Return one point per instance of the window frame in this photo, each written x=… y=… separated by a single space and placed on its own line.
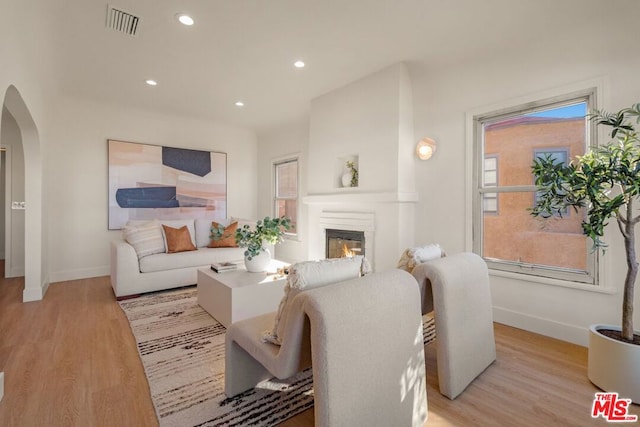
x=275 y=199
x=497 y=172
x=591 y=276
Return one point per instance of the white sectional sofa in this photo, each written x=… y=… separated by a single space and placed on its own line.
x=131 y=275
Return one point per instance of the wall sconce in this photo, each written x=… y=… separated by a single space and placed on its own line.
x=425 y=148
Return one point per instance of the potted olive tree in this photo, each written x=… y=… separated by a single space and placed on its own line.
x=268 y=231
x=605 y=182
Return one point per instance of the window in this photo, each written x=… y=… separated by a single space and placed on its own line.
x=504 y=232
x=286 y=192
x=490 y=200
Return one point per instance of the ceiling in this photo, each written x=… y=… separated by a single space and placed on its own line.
x=244 y=50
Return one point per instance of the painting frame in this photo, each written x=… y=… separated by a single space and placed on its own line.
x=148 y=181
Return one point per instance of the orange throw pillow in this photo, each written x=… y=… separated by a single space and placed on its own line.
x=178 y=239
x=228 y=237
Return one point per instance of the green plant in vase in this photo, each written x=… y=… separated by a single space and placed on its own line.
x=354 y=173
x=267 y=231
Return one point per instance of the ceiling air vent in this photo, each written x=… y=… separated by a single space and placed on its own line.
x=119 y=20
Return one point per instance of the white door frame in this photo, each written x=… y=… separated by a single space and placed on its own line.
x=7 y=212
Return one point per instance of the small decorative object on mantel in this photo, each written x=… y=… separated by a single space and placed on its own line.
x=267 y=231
x=350 y=178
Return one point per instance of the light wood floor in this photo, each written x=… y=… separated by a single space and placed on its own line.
x=70 y=360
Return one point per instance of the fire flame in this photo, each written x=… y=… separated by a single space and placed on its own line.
x=346 y=252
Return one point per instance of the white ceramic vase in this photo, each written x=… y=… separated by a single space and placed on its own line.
x=614 y=366
x=346 y=179
x=258 y=263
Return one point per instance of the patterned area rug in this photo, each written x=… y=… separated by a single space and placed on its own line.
x=182 y=350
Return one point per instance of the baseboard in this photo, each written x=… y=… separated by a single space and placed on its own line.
x=16 y=272
x=547 y=327
x=80 y=273
x=45 y=286
x=32 y=294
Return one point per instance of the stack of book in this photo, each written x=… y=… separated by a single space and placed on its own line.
x=223 y=267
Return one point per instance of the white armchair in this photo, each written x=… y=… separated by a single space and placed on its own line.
x=364 y=337
x=457 y=287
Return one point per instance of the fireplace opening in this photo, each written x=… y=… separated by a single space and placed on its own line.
x=344 y=243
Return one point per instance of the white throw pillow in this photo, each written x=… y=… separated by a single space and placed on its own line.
x=414 y=256
x=145 y=238
x=313 y=274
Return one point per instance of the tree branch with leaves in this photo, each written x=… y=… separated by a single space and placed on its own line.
x=605 y=182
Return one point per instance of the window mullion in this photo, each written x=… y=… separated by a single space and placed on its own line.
x=508 y=189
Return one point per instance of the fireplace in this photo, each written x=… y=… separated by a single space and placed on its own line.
x=344 y=243
x=359 y=226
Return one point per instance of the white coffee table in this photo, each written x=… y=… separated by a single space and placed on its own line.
x=237 y=295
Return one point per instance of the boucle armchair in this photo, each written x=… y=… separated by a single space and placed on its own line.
x=364 y=339
x=460 y=295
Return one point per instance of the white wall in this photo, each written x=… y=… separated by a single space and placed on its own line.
x=443 y=95
x=371 y=118
x=78 y=175
x=287 y=141
x=362 y=118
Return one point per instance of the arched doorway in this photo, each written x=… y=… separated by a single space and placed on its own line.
x=12 y=196
x=35 y=284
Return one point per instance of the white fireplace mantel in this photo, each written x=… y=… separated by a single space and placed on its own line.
x=373 y=213
x=349 y=195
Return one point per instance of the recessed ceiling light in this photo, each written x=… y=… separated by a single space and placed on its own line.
x=151 y=82
x=184 y=19
x=239 y=104
x=298 y=64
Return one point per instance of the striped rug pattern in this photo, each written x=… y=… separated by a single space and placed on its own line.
x=182 y=351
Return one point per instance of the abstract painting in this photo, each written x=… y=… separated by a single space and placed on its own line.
x=154 y=182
